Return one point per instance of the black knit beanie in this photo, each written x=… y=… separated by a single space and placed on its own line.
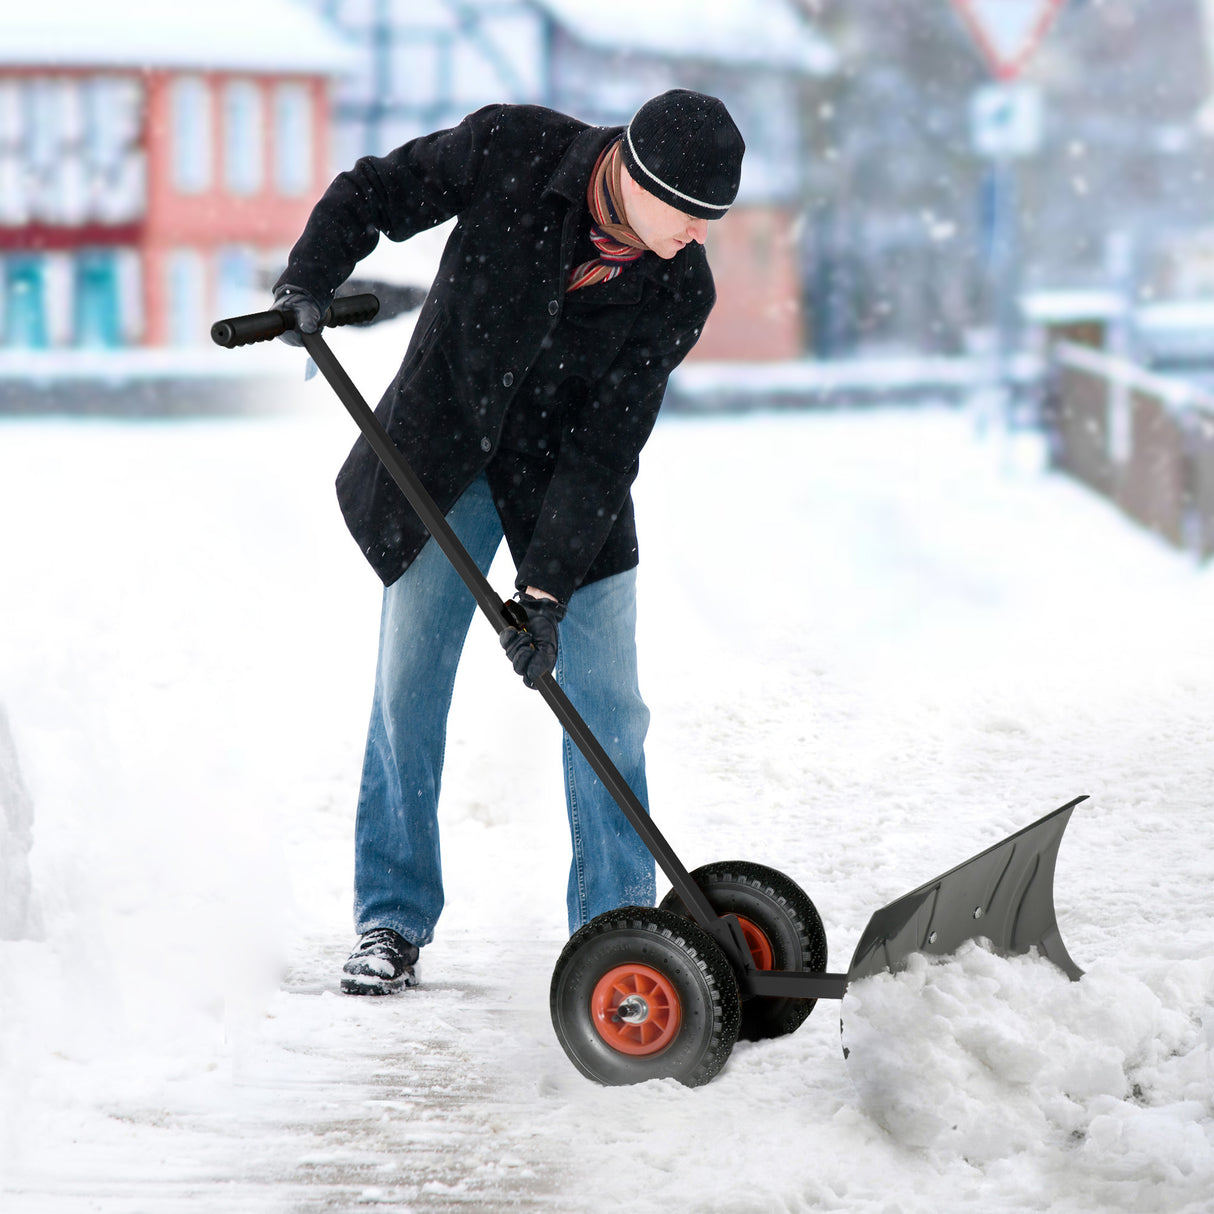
x=685 y=149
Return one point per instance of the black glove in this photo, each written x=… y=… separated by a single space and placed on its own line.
x=532 y=649
x=304 y=307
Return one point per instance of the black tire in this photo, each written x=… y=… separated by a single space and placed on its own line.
x=787 y=919
x=690 y=1035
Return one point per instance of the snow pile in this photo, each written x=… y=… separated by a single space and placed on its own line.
x=984 y=1058
x=18 y=916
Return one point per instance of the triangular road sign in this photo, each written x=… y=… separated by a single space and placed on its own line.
x=1008 y=31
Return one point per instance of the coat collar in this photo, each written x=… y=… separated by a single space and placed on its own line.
x=572 y=175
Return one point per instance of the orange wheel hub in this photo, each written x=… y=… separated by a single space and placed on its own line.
x=760 y=947
x=636 y=1010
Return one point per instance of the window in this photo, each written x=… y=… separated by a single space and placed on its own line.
x=112 y=119
x=113 y=155
x=292 y=139
x=24 y=302
x=187 y=304
x=190 y=106
x=97 y=321
x=236 y=281
x=46 y=119
x=244 y=140
x=15 y=204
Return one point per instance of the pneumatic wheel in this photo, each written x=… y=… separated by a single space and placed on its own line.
x=641 y=994
x=782 y=928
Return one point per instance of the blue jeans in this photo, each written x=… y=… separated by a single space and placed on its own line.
x=426 y=614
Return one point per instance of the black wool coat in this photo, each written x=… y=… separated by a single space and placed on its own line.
x=552 y=396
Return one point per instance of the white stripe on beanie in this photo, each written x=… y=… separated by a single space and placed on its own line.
x=713 y=206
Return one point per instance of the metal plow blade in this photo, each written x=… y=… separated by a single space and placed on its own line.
x=1004 y=894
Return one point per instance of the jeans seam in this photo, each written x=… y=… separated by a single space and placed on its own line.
x=579 y=857
x=575 y=824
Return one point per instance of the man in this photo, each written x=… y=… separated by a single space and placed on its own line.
x=573 y=283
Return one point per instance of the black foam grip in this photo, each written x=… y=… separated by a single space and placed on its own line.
x=265 y=326
x=244 y=330
x=352 y=310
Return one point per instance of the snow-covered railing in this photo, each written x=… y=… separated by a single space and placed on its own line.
x=1176 y=393
x=1142 y=439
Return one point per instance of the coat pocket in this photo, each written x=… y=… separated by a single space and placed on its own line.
x=425 y=340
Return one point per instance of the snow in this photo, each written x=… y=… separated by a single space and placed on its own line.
x=873 y=645
x=271 y=35
x=129 y=363
x=812 y=376
x=766 y=32
x=1177 y=314
x=18 y=913
x=1059 y=306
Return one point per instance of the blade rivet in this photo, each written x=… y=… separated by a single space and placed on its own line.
x=978 y=912
x=931 y=939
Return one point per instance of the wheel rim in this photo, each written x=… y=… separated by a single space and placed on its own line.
x=636 y=1010
x=761 y=952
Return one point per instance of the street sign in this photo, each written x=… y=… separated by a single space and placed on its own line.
x=1005 y=119
x=1008 y=32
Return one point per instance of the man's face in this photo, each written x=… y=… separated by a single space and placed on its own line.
x=663 y=228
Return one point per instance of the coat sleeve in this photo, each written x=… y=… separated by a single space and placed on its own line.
x=418 y=186
x=601 y=445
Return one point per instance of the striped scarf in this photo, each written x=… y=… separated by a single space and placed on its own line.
x=617 y=244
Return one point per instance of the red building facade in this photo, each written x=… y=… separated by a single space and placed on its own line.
x=235 y=164
x=136 y=204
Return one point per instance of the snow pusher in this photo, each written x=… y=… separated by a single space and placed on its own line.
x=735 y=949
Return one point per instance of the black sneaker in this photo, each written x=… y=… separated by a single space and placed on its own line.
x=382 y=963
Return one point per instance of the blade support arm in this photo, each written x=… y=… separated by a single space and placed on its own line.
x=793 y=984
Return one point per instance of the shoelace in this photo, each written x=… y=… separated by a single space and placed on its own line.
x=377 y=938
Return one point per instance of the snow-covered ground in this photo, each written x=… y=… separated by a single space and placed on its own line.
x=873 y=646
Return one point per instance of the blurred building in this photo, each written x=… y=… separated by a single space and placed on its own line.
x=1114 y=195
x=150 y=158
x=427 y=63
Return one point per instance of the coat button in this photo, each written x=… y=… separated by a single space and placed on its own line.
x=507 y=379
x=486 y=445
x=553 y=307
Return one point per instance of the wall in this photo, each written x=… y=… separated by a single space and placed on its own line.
x=753 y=251
x=203 y=222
